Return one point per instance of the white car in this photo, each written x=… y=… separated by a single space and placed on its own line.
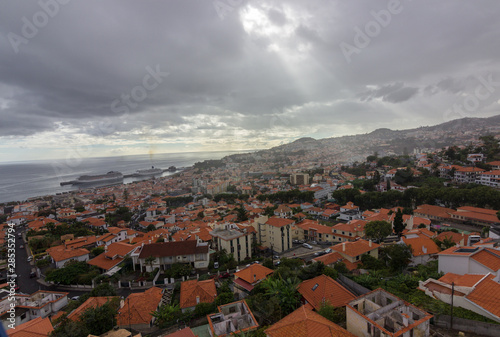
x=29 y=259
x=328 y=250
x=306 y=245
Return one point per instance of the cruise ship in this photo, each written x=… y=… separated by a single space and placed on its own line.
x=149 y=172
x=110 y=177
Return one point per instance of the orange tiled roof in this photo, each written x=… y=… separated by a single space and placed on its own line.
x=186 y=332
x=138 y=307
x=452 y=236
x=489 y=258
x=253 y=273
x=306 y=323
x=279 y=222
x=355 y=248
x=487 y=295
x=323 y=289
x=437 y=211
x=421 y=246
x=37 y=327
x=91 y=302
x=192 y=289
x=467 y=280
x=329 y=258
x=61 y=253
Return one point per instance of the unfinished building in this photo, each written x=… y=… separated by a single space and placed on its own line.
x=232 y=318
x=380 y=313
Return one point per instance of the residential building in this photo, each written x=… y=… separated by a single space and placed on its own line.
x=246 y=278
x=37 y=327
x=167 y=253
x=469 y=260
x=323 y=290
x=283 y=211
x=423 y=248
x=194 y=292
x=349 y=212
x=489 y=178
x=476 y=292
x=467 y=175
x=42 y=304
x=91 y=302
x=349 y=231
x=135 y=311
x=299 y=179
x=434 y=213
x=304 y=322
x=60 y=255
x=232 y=318
x=352 y=251
x=114 y=254
x=274 y=233
x=380 y=313
x=311 y=230
x=233 y=240
x=186 y=332
x=475 y=215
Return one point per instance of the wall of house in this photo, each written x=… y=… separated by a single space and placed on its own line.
x=477 y=268
x=83 y=258
x=457 y=264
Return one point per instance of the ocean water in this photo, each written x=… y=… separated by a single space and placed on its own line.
x=22 y=180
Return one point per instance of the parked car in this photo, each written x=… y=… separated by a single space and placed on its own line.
x=306 y=245
x=328 y=251
x=276 y=257
x=75 y=298
x=225 y=275
x=319 y=253
x=21 y=246
x=314 y=243
x=216 y=265
x=32 y=274
x=29 y=259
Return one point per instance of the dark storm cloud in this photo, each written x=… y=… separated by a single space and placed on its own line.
x=93 y=53
x=393 y=93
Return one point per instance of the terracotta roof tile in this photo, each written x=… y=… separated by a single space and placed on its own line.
x=137 y=307
x=422 y=246
x=91 y=302
x=61 y=253
x=37 y=327
x=487 y=295
x=306 y=323
x=254 y=273
x=279 y=222
x=323 y=289
x=193 y=289
x=467 y=280
x=355 y=248
x=489 y=258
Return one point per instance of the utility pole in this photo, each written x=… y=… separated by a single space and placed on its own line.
x=452 y=293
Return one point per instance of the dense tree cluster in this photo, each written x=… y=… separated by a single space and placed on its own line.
x=288 y=196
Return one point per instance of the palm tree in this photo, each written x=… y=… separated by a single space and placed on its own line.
x=150 y=259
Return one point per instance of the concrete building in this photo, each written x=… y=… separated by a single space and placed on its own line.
x=274 y=233
x=299 y=179
x=234 y=240
x=232 y=318
x=380 y=313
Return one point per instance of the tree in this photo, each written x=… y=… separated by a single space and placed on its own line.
x=378 y=230
x=242 y=214
x=166 y=314
x=285 y=290
x=150 y=228
x=498 y=215
x=70 y=328
x=397 y=257
x=224 y=298
x=335 y=314
x=100 y=319
x=399 y=226
x=149 y=260
x=97 y=251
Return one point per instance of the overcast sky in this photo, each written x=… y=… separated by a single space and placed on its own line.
x=101 y=78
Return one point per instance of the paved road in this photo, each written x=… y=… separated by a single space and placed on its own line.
x=24 y=268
